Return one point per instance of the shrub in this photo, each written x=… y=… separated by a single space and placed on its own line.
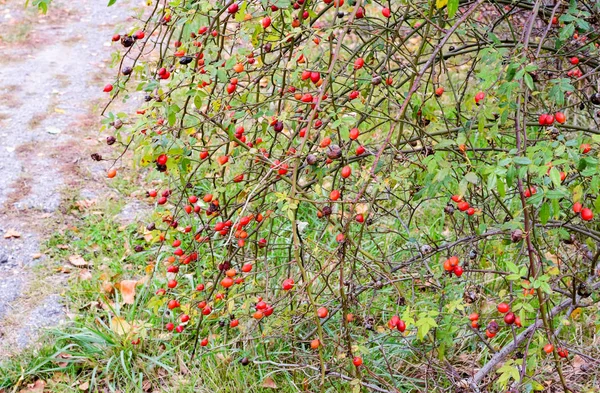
x=350 y=189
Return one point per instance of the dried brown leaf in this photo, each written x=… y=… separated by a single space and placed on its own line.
x=36 y=387
x=12 y=234
x=269 y=383
x=77 y=260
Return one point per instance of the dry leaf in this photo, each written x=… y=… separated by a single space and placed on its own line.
x=63 y=356
x=107 y=287
x=85 y=204
x=62 y=246
x=85 y=275
x=36 y=387
x=77 y=260
x=127 y=288
x=84 y=386
x=269 y=383
x=36 y=256
x=12 y=233
x=120 y=325
x=146 y=386
x=578 y=362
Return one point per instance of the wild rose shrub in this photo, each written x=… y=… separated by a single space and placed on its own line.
x=384 y=194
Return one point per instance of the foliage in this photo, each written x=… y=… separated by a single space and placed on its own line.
x=356 y=147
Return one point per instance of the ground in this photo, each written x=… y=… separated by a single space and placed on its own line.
x=52 y=70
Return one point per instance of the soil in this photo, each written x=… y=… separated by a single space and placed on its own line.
x=52 y=71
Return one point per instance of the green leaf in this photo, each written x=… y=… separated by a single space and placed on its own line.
x=471 y=177
x=452 y=7
x=521 y=160
x=544 y=213
x=111 y=2
x=529 y=81
x=555 y=177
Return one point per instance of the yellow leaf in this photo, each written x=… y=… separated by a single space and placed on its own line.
x=119 y=325
x=441 y=3
x=575 y=314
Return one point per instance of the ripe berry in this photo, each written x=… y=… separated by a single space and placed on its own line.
x=439 y=91
x=401 y=326
x=359 y=63
x=560 y=117
x=227 y=282
x=503 y=308
x=574 y=60
x=266 y=22
x=548 y=348
x=386 y=12
x=577 y=207
x=509 y=318
x=288 y=284
x=232 y=9
x=586 y=214
x=357 y=361
x=354 y=133
x=334 y=195
x=474 y=317
x=314 y=344
x=108 y=88
x=585 y=148
x=247 y=268
x=170 y=326
x=322 y=312
x=393 y=322
x=563 y=353
x=463 y=206
x=456 y=198
x=479 y=97
x=346 y=171
x=458 y=270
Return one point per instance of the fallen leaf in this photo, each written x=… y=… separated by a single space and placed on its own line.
x=62 y=246
x=107 y=287
x=85 y=275
x=77 y=260
x=36 y=256
x=63 y=356
x=578 y=362
x=146 y=385
x=85 y=204
x=127 y=288
x=84 y=386
x=120 y=325
x=12 y=233
x=269 y=383
x=36 y=387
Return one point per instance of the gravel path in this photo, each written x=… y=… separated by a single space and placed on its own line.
x=52 y=69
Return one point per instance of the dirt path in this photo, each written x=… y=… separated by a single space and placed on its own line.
x=52 y=69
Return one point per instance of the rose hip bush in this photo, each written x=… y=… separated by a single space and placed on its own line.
x=390 y=196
